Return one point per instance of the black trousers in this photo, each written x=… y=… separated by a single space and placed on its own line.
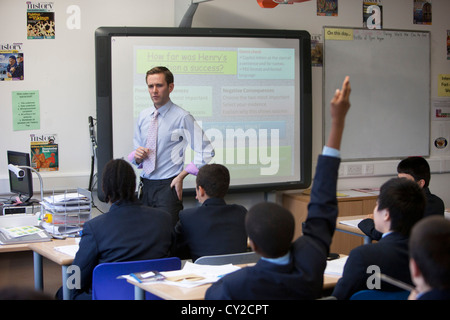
x=158 y=194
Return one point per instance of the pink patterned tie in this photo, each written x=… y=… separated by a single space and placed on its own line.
x=149 y=163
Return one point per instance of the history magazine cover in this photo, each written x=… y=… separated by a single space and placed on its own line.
x=44 y=152
x=40 y=20
x=11 y=62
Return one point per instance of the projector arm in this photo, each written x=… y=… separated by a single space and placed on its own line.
x=184 y=12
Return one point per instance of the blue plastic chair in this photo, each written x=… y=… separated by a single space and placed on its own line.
x=380 y=295
x=106 y=286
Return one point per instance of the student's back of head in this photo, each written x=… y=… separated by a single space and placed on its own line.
x=429 y=246
x=119 y=181
x=417 y=167
x=271 y=228
x=405 y=201
x=214 y=179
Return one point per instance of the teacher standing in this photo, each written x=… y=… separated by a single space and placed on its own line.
x=162 y=133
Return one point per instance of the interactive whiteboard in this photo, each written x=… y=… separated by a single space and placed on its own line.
x=250 y=91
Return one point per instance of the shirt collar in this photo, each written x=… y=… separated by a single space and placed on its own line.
x=164 y=109
x=386 y=234
x=281 y=260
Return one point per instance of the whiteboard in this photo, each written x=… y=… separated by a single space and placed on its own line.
x=390 y=101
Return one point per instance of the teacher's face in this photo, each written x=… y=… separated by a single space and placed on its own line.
x=159 y=89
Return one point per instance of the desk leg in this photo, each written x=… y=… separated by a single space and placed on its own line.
x=66 y=292
x=38 y=273
x=139 y=294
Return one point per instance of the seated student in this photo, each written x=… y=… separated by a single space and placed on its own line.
x=292 y=270
x=215 y=227
x=400 y=205
x=416 y=169
x=429 y=250
x=129 y=231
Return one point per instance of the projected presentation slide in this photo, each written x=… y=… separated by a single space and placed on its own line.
x=244 y=94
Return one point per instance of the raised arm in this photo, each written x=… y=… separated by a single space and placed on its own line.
x=338 y=109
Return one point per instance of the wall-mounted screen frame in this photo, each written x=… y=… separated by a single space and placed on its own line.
x=252 y=84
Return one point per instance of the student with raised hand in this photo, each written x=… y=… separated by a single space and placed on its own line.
x=400 y=205
x=292 y=270
x=215 y=227
x=415 y=169
x=429 y=250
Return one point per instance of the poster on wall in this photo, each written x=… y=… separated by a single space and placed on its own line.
x=44 y=152
x=373 y=14
x=25 y=110
x=40 y=20
x=316 y=50
x=327 y=7
x=422 y=12
x=11 y=62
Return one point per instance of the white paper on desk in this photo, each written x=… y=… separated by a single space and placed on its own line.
x=335 y=267
x=82 y=208
x=59 y=230
x=67 y=198
x=70 y=250
x=207 y=272
x=447 y=213
x=352 y=223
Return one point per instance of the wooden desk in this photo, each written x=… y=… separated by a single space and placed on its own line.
x=352 y=230
x=47 y=249
x=14 y=247
x=354 y=203
x=169 y=292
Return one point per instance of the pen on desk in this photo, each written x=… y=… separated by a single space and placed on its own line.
x=135 y=277
x=396 y=282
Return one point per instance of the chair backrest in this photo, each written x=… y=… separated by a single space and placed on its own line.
x=106 y=286
x=380 y=295
x=233 y=258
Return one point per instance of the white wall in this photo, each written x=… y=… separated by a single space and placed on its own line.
x=63 y=71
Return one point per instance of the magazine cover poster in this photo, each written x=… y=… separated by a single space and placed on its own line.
x=11 y=62
x=327 y=7
x=448 y=44
x=40 y=20
x=44 y=152
x=422 y=12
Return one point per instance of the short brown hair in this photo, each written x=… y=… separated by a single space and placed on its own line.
x=160 y=69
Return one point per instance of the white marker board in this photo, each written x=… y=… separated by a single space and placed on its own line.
x=390 y=101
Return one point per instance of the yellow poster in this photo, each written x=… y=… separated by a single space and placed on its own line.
x=338 y=34
x=444 y=85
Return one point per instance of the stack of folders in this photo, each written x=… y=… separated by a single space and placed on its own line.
x=66 y=213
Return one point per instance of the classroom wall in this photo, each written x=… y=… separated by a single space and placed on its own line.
x=397 y=14
x=62 y=69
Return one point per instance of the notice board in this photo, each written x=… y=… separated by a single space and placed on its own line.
x=390 y=101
